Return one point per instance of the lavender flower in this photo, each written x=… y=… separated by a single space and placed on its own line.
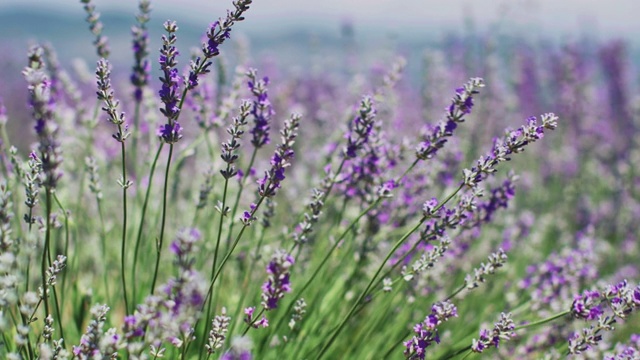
x=587 y=306
x=218 y=333
x=205 y=189
x=42 y=105
x=496 y=260
x=93 y=18
x=220 y=30
x=270 y=183
x=248 y=318
x=55 y=268
x=169 y=93
x=513 y=142
x=217 y=33
x=142 y=66
x=261 y=109
x=169 y=316
x=434 y=138
x=278 y=282
x=91 y=167
x=89 y=347
x=502 y=330
x=305 y=227
x=362 y=127
x=105 y=93
x=299 y=309
x=426 y=332
x=621 y=299
x=230 y=148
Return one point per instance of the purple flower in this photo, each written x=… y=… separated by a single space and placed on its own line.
x=170 y=133
x=42 y=105
x=278 y=282
x=270 y=182
x=101 y=42
x=426 y=332
x=502 y=330
x=261 y=109
x=362 y=126
x=434 y=137
x=142 y=66
x=587 y=305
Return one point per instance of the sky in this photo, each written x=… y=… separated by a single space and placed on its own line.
x=616 y=18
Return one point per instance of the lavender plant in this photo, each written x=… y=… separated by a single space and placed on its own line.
x=364 y=230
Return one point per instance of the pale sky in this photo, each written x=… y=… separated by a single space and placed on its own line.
x=610 y=17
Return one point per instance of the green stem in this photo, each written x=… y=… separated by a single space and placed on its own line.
x=123 y=249
x=215 y=259
x=103 y=245
x=245 y=283
x=164 y=217
x=543 y=321
x=66 y=251
x=45 y=249
x=142 y=218
x=366 y=290
x=239 y=193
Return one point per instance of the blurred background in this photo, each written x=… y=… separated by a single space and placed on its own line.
x=290 y=39
x=295 y=24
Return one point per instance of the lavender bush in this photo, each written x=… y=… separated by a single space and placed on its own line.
x=231 y=214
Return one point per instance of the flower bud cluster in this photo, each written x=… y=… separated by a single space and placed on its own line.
x=426 y=332
x=502 y=330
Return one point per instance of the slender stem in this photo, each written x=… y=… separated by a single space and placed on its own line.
x=235 y=243
x=253 y=321
x=317 y=270
x=142 y=218
x=543 y=321
x=344 y=233
x=164 y=217
x=395 y=247
x=245 y=282
x=103 y=245
x=455 y=293
x=134 y=140
x=215 y=258
x=28 y=266
x=45 y=249
x=379 y=270
x=58 y=313
x=66 y=249
x=123 y=249
x=239 y=193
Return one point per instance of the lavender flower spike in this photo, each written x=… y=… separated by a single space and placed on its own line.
x=513 y=142
x=434 y=137
x=502 y=330
x=105 y=93
x=278 y=282
x=261 y=110
x=169 y=93
x=142 y=66
x=426 y=332
x=605 y=307
x=217 y=33
x=270 y=183
x=362 y=127
x=93 y=18
x=42 y=105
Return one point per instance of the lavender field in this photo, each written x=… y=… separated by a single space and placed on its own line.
x=471 y=197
